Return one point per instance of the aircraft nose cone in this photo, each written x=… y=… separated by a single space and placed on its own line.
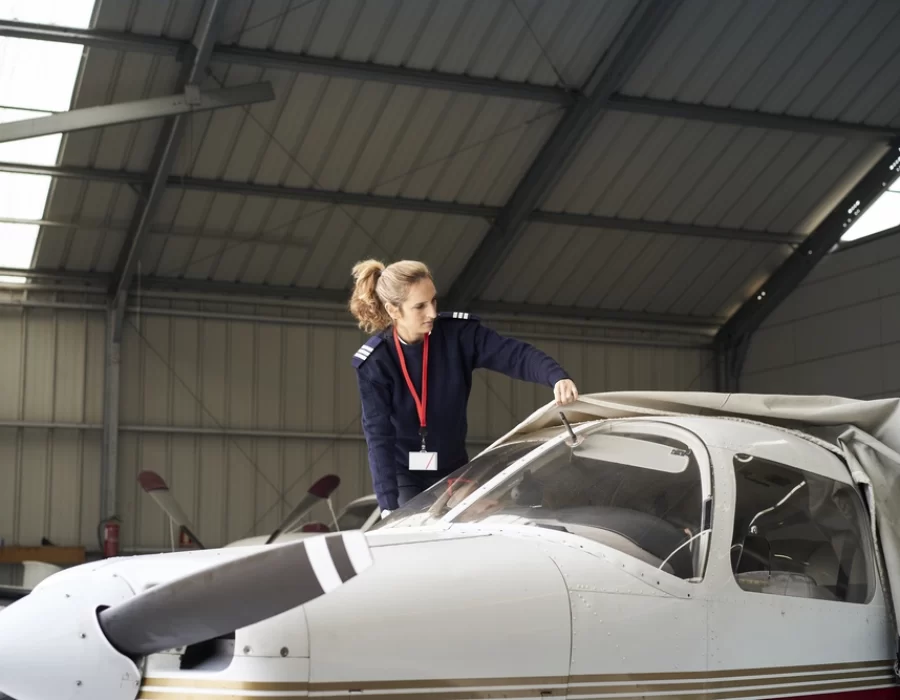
x=23 y=652
x=51 y=645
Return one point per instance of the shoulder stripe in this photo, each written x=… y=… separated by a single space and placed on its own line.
x=365 y=350
x=460 y=315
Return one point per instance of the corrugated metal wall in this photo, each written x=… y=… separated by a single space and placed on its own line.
x=838 y=333
x=285 y=392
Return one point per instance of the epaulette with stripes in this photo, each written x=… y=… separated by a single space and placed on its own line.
x=460 y=315
x=366 y=349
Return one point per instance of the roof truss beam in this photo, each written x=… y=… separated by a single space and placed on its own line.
x=702 y=325
x=62 y=228
x=192 y=100
x=126 y=41
x=666 y=228
x=588 y=221
x=748 y=118
x=208 y=26
x=639 y=30
x=733 y=338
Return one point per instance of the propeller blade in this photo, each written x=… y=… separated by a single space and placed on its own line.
x=319 y=491
x=237 y=593
x=158 y=490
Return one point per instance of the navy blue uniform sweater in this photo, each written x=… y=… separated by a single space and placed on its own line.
x=458 y=345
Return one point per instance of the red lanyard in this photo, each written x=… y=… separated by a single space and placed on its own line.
x=420 y=404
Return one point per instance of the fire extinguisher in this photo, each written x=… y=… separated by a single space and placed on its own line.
x=109 y=536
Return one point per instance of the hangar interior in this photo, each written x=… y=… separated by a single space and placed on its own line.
x=660 y=194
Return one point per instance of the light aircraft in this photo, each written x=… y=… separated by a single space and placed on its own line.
x=359 y=514
x=637 y=545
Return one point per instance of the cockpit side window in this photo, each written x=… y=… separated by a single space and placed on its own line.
x=799 y=534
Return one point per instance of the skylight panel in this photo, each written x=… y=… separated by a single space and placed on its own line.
x=883 y=214
x=36 y=78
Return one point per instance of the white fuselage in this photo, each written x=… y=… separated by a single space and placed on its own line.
x=460 y=610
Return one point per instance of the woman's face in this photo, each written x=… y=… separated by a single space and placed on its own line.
x=418 y=312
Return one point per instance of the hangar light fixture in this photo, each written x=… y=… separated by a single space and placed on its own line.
x=36 y=78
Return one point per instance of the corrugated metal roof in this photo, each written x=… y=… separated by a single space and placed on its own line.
x=635 y=271
x=827 y=59
x=484 y=38
x=663 y=169
x=341 y=134
x=820 y=59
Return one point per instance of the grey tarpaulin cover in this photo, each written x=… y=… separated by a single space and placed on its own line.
x=867 y=432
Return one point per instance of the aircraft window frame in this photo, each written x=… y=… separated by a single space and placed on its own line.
x=645 y=428
x=811 y=588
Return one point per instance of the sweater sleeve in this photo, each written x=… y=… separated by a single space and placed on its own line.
x=513 y=358
x=380 y=438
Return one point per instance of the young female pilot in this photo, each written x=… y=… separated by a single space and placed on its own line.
x=415 y=376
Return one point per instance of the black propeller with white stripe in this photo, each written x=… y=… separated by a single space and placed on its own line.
x=237 y=593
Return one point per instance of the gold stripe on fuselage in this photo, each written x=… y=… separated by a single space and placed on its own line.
x=706 y=685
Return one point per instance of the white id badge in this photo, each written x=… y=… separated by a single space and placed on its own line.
x=423 y=461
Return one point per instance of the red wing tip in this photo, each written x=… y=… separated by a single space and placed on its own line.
x=324 y=487
x=151 y=481
x=315 y=527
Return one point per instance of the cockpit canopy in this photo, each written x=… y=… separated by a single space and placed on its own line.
x=636 y=491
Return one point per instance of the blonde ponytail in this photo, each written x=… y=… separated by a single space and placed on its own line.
x=377 y=285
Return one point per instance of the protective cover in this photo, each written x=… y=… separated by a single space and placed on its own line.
x=866 y=432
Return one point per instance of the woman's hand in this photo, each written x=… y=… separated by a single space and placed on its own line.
x=565 y=392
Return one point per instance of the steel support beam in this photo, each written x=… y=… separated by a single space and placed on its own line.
x=407 y=204
x=356 y=70
x=139 y=110
x=93 y=38
x=642 y=25
x=326 y=296
x=74 y=172
x=665 y=227
x=573 y=220
x=708 y=324
x=124 y=41
x=337 y=298
x=747 y=118
x=246 y=189
x=110 y=458
x=734 y=336
x=330 y=197
x=208 y=27
x=50 y=275
x=183 y=232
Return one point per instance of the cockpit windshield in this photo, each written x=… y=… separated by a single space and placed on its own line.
x=639 y=493
x=433 y=504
